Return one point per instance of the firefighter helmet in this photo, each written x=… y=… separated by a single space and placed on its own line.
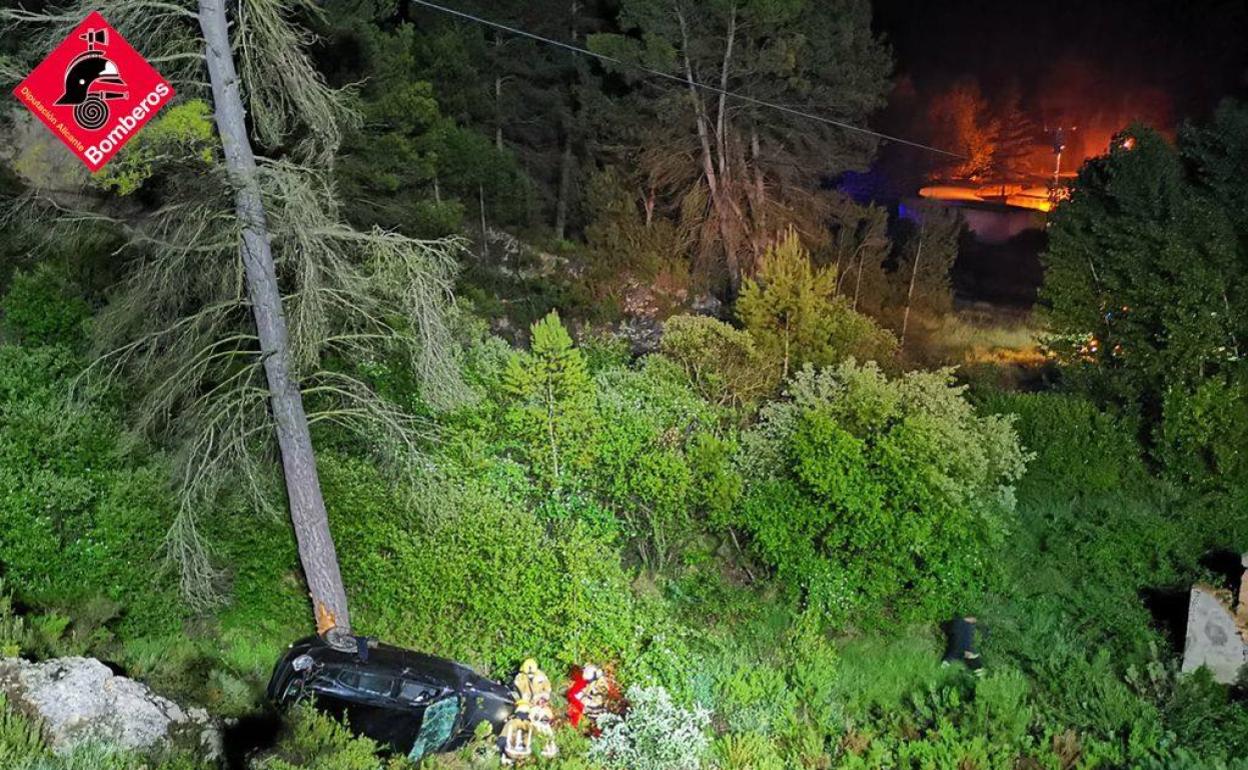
x=90 y=80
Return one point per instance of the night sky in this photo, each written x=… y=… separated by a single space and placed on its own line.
x=1097 y=64
x=1193 y=53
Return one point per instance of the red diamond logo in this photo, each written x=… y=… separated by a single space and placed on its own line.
x=94 y=91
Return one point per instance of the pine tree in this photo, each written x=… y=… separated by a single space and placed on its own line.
x=1016 y=143
x=793 y=312
x=552 y=401
x=247 y=304
x=739 y=173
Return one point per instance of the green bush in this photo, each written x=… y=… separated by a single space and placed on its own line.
x=747 y=751
x=1078 y=449
x=658 y=460
x=457 y=571
x=873 y=495
x=793 y=313
x=1203 y=434
x=13 y=634
x=313 y=741
x=43 y=308
x=722 y=363
x=80 y=518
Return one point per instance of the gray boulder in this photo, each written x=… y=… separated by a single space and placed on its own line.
x=80 y=700
x=1215 y=637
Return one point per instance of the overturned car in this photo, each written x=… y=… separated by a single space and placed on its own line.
x=412 y=703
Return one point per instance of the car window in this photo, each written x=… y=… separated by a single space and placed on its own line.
x=416 y=692
x=349 y=679
x=435 y=728
x=376 y=684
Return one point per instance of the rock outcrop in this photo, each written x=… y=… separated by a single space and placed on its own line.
x=80 y=700
x=1217 y=636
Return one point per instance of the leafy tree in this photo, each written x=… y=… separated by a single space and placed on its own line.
x=867 y=493
x=739 y=172
x=1145 y=272
x=792 y=312
x=552 y=402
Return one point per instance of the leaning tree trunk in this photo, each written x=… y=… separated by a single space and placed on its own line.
x=914 y=271
x=303 y=487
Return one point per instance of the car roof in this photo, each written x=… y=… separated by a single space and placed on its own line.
x=387 y=659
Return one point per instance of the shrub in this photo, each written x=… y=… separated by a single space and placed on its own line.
x=1078 y=449
x=755 y=698
x=871 y=494
x=184 y=131
x=658 y=461
x=43 y=308
x=80 y=519
x=747 y=751
x=722 y=364
x=656 y=734
x=792 y=312
x=1204 y=431
x=313 y=741
x=455 y=570
x=13 y=633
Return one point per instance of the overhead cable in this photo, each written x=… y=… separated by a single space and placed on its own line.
x=683 y=81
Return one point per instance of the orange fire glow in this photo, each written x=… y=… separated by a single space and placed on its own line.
x=1010 y=194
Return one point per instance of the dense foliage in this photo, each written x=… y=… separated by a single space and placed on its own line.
x=880 y=495
x=1145 y=277
x=716 y=562
x=755 y=513
x=791 y=309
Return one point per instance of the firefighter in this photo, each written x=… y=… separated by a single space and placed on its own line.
x=588 y=695
x=542 y=719
x=515 y=742
x=532 y=684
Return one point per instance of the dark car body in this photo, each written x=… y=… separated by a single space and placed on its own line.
x=386 y=693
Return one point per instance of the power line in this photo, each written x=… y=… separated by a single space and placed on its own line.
x=683 y=81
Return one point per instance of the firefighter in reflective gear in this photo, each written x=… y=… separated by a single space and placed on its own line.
x=588 y=695
x=543 y=720
x=532 y=684
x=515 y=743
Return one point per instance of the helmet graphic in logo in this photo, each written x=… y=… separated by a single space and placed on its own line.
x=91 y=81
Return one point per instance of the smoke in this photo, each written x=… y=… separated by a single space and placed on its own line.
x=1097 y=103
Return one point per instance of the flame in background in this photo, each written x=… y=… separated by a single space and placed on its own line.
x=1091 y=105
x=1099 y=104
